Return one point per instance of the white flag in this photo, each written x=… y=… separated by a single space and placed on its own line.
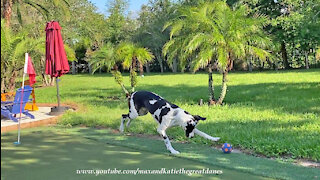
x=25 y=70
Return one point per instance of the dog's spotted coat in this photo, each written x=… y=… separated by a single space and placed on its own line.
x=165 y=113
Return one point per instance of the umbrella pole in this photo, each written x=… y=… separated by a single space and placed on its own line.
x=58 y=95
x=57 y=110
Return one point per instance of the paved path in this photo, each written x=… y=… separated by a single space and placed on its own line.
x=41 y=114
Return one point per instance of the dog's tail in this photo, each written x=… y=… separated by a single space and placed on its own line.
x=128 y=95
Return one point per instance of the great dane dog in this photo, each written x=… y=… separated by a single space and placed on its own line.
x=165 y=113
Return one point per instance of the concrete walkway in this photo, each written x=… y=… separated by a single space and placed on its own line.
x=42 y=117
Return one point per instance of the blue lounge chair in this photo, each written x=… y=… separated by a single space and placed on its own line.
x=10 y=108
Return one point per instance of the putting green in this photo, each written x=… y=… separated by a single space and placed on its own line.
x=58 y=154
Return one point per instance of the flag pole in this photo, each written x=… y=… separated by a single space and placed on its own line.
x=25 y=71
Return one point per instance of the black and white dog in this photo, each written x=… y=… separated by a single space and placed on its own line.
x=165 y=113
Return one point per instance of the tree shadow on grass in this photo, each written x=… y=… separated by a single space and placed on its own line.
x=125 y=74
x=58 y=154
x=286 y=97
x=102 y=97
x=205 y=154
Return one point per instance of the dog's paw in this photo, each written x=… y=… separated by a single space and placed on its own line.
x=175 y=152
x=121 y=129
x=215 y=139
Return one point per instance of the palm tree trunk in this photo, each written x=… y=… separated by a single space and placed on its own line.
x=52 y=80
x=250 y=64
x=284 y=55
x=161 y=66
x=118 y=78
x=148 y=67
x=4 y=78
x=224 y=87
x=7 y=12
x=261 y=67
x=12 y=81
x=45 y=81
x=306 y=59
x=160 y=62
x=133 y=73
x=2 y=85
x=132 y=79
x=90 y=69
x=140 y=69
x=211 y=86
x=124 y=89
x=224 y=81
x=276 y=65
x=174 y=65
x=134 y=63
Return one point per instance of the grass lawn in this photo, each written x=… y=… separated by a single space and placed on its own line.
x=267 y=113
x=65 y=152
x=58 y=152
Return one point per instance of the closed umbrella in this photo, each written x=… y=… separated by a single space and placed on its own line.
x=56 y=58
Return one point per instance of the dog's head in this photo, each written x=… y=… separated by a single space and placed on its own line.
x=191 y=124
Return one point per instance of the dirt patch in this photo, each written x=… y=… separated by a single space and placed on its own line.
x=307 y=163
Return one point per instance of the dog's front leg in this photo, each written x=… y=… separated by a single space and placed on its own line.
x=202 y=134
x=162 y=131
x=123 y=119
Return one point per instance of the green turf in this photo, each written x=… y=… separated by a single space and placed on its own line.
x=55 y=153
x=269 y=113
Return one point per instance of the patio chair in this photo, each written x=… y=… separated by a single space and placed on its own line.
x=9 y=109
x=31 y=106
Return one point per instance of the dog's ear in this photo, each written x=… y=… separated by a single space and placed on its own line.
x=197 y=117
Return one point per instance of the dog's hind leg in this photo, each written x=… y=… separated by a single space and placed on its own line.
x=202 y=134
x=128 y=117
x=128 y=123
x=162 y=131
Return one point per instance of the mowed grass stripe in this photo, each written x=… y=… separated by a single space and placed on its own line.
x=268 y=113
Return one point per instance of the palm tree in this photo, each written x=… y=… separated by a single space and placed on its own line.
x=149 y=34
x=13 y=48
x=8 y=6
x=130 y=55
x=106 y=57
x=126 y=53
x=214 y=33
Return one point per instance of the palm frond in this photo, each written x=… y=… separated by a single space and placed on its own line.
x=105 y=57
x=71 y=55
x=44 y=11
x=19 y=15
x=127 y=51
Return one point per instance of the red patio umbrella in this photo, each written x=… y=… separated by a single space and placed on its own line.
x=56 y=58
